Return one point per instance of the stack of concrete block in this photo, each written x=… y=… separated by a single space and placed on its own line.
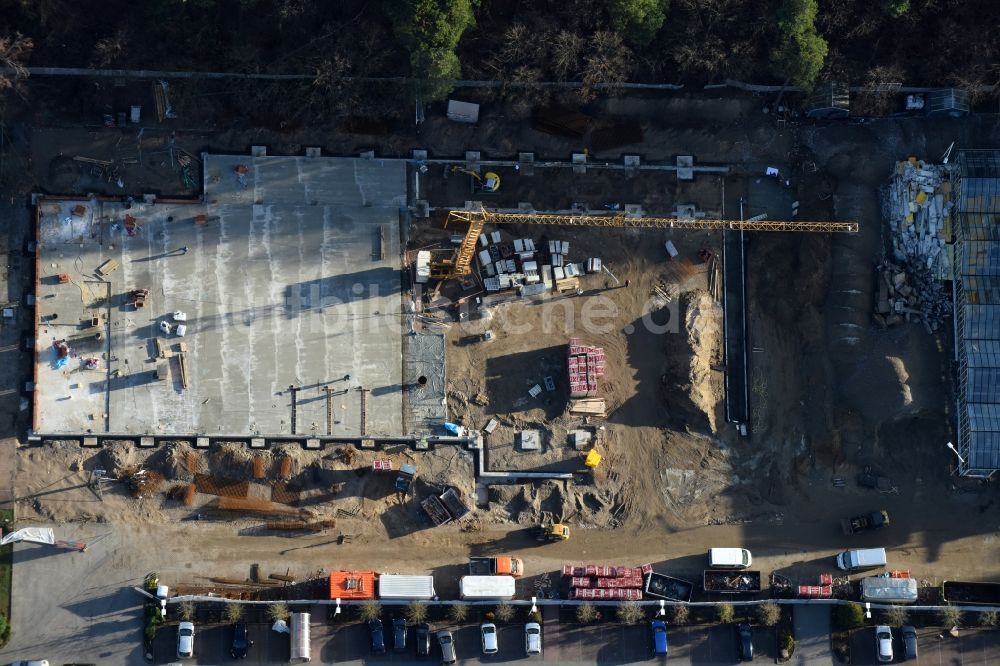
x=917 y=205
x=908 y=296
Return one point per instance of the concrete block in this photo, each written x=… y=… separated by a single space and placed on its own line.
x=422 y=444
x=314 y=151
x=530 y=440
x=258 y=151
x=90 y=442
x=632 y=161
x=257 y=443
x=146 y=442
x=201 y=443
x=313 y=444
x=579 y=163
x=419 y=154
x=368 y=444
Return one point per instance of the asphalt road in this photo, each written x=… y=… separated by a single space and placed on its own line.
x=562 y=644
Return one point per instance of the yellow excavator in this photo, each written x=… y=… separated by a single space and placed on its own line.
x=551 y=532
x=488 y=182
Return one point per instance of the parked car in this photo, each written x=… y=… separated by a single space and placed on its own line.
x=744 y=641
x=532 y=639
x=422 y=636
x=241 y=642
x=185 y=640
x=909 y=642
x=399 y=634
x=447 y=643
x=659 y=628
x=488 y=630
x=378 y=636
x=32 y=662
x=883 y=644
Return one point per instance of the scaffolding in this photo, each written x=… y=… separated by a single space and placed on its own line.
x=977 y=311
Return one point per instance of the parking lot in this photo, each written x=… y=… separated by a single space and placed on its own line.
x=562 y=643
x=936 y=647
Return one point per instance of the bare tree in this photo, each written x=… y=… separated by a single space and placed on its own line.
x=233 y=613
x=768 y=614
x=607 y=61
x=680 y=615
x=586 y=613
x=14 y=53
x=416 y=612
x=504 y=612
x=565 y=55
x=109 y=50
x=458 y=612
x=186 y=611
x=896 y=615
x=630 y=612
x=369 y=610
x=278 y=611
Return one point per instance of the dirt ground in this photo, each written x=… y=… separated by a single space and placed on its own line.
x=830 y=394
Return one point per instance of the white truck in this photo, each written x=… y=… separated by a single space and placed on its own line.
x=486 y=587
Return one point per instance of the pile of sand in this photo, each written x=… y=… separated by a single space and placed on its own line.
x=703 y=323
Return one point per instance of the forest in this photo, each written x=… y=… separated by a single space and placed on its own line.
x=516 y=42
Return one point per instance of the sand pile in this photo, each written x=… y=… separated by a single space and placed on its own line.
x=703 y=323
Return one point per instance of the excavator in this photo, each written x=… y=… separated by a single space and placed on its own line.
x=551 y=532
x=488 y=182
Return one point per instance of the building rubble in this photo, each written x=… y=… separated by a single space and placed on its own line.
x=917 y=204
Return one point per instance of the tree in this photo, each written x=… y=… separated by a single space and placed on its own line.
x=504 y=612
x=186 y=611
x=768 y=614
x=4 y=630
x=369 y=610
x=896 y=615
x=724 y=613
x=630 y=612
x=681 y=614
x=233 y=613
x=607 y=61
x=637 y=21
x=801 y=51
x=949 y=616
x=278 y=611
x=988 y=619
x=586 y=613
x=458 y=612
x=416 y=612
x=848 y=616
x=430 y=30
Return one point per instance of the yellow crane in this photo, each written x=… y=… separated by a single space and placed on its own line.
x=460 y=264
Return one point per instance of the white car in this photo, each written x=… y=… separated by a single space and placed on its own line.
x=883 y=644
x=185 y=640
x=532 y=639
x=489 y=632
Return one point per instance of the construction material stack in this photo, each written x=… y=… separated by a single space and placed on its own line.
x=604 y=582
x=586 y=367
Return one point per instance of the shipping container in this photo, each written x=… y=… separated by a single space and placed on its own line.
x=486 y=587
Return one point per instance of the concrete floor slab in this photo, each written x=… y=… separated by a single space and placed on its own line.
x=293 y=280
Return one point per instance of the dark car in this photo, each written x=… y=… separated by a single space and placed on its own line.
x=659 y=628
x=909 y=642
x=744 y=642
x=422 y=635
x=378 y=637
x=399 y=634
x=241 y=642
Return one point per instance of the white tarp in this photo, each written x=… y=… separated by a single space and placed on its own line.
x=43 y=535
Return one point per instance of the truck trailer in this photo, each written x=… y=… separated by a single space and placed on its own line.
x=395 y=586
x=486 y=587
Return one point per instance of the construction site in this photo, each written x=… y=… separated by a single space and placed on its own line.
x=427 y=353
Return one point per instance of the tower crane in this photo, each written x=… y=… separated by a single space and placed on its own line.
x=460 y=264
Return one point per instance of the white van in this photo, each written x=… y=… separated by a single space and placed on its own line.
x=861 y=558
x=729 y=558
